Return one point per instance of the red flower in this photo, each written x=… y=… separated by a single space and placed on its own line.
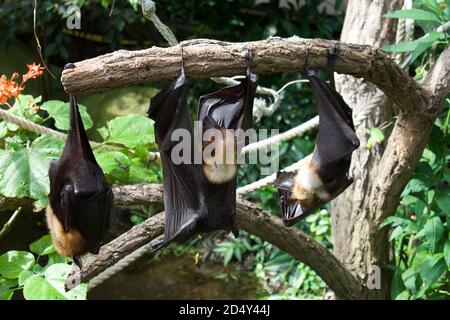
x=9 y=88
x=34 y=71
x=413 y=216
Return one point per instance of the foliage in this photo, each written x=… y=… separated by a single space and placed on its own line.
x=40 y=273
x=24 y=162
x=283 y=276
x=421 y=230
x=430 y=16
x=25 y=157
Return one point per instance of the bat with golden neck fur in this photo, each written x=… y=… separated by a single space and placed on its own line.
x=325 y=175
x=201 y=197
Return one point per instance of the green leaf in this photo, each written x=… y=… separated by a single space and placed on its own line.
x=139 y=174
x=404 y=295
x=24 y=275
x=38 y=288
x=431 y=269
x=398 y=231
x=43 y=246
x=49 y=146
x=25 y=171
x=420 y=44
x=433 y=229
x=397 y=285
x=443 y=202
x=10 y=283
x=447 y=252
x=410 y=278
x=376 y=136
x=415 y=14
x=56 y=275
x=131 y=130
x=5 y=292
x=115 y=165
x=3 y=129
x=395 y=221
x=55 y=257
x=227 y=257
x=12 y=263
x=59 y=111
x=23 y=103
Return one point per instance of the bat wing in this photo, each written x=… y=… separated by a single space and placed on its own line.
x=77 y=143
x=87 y=210
x=181 y=195
x=225 y=106
x=79 y=195
x=231 y=107
x=336 y=139
x=291 y=210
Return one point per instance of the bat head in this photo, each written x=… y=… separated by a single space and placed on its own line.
x=219 y=153
x=300 y=193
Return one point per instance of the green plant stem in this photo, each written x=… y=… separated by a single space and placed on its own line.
x=8 y=224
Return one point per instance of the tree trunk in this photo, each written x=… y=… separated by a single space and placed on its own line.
x=353 y=219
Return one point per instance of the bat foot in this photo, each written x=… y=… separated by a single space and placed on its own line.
x=335 y=49
x=77 y=261
x=69 y=66
x=289 y=223
x=157 y=247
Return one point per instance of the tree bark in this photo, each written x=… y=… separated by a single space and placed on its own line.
x=382 y=171
x=248 y=217
x=207 y=58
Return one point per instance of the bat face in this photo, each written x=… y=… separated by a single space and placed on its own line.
x=200 y=197
x=80 y=203
x=325 y=175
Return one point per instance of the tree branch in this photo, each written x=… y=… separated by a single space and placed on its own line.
x=437 y=81
x=210 y=58
x=249 y=218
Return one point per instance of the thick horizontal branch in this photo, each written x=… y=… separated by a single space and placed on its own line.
x=210 y=58
x=249 y=218
x=129 y=195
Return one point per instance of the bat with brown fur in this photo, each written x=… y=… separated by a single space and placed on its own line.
x=200 y=198
x=81 y=200
x=323 y=176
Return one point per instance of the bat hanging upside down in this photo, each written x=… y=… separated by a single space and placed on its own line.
x=80 y=199
x=323 y=176
x=201 y=197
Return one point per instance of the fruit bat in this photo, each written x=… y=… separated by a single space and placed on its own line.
x=323 y=176
x=80 y=203
x=201 y=197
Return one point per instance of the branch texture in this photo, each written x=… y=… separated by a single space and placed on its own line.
x=210 y=58
x=249 y=218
